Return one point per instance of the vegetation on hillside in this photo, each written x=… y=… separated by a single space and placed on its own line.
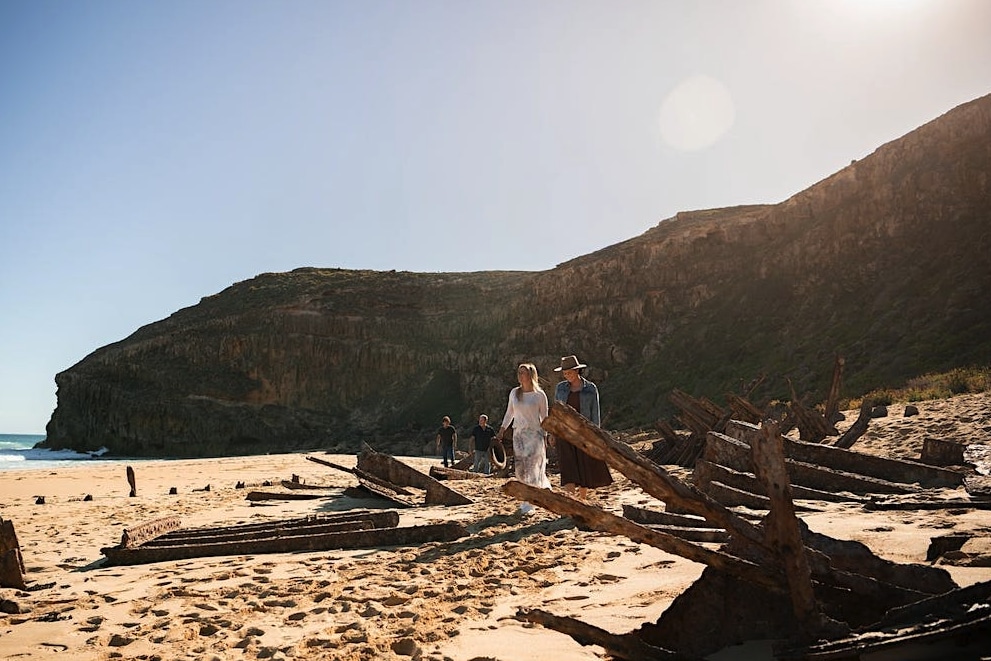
x=931 y=386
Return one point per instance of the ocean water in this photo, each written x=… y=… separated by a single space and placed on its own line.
x=17 y=453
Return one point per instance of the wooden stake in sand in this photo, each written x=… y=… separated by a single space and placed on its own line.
x=11 y=562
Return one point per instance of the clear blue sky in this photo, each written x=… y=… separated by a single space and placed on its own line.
x=152 y=153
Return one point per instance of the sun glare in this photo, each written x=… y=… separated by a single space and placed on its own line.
x=696 y=113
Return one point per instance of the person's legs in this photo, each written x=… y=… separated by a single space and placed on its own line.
x=448 y=454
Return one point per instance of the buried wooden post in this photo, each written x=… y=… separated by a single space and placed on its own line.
x=11 y=562
x=131 y=481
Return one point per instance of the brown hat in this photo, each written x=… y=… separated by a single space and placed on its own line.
x=569 y=363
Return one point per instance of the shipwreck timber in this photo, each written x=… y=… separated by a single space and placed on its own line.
x=349 y=530
x=776 y=580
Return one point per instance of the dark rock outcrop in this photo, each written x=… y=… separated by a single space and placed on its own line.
x=887 y=262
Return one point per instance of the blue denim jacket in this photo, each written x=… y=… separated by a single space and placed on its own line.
x=588 y=397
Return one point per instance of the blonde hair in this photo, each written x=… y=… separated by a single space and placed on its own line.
x=534 y=379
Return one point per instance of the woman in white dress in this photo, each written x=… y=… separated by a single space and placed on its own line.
x=526 y=409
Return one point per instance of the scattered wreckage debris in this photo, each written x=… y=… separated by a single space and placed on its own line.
x=726 y=471
x=11 y=561
x=956 y=624
x=777 y=580
x=385 y=476
x=348 y=530
x=701 y=416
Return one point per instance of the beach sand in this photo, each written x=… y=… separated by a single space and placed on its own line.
x=453 y=600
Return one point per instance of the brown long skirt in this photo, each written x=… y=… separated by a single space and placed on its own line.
x=580 y=468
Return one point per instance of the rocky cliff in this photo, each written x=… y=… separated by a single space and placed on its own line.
x=886 y=262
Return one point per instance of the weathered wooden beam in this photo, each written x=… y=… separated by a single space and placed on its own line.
x=782 y=530
x=743 y=409
x=140 y=534
x=441 y=473
x=926 y=504
x=331 y=464
x=290 y=484
x=371 y=538
x=235 y=538
x=564 y=422
x=722 y=449
x=395 y=472
x=899 y=471
x=857 y=429
x=381 y=491
x=291 y=527
x=598 y=519
x=833 y=399
x=706 y=471
x=618 y=646
x=652 y=517
x=255 y=496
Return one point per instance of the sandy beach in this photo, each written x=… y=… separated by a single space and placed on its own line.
x=440 y=600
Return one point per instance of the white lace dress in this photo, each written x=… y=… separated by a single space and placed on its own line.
x=530 y=455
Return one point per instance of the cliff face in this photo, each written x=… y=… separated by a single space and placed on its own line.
x=887 y=262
